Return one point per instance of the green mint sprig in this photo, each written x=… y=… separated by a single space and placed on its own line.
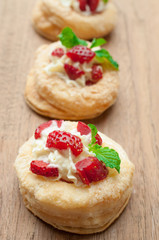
x=105 y=1
x=97 y=42
x=94 y=133
x=69 y=39
x=103 y=55
x=109 y=156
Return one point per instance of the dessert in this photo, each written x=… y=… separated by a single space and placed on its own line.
x=85 y=17
x=74 y=177
x=72 y=79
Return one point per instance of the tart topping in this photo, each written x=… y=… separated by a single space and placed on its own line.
x=84 y=129
x=42 y=168
x=97 y=73
x=89 y=83
x=72 y=155
x=91 y=169
x=82 y=4
x=39 y=129
x=59 y=122
x=86 y=7
x=69 y=39
x=93 y=4
x=63 y=140
x=73 y=72
x=58 y=52
x=75 y=59
x=109 y=156
x=98 y=139
x=80 y=54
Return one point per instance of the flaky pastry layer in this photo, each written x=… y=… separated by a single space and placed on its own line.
x=75 y=209
x=50 y=17
x=53 y=97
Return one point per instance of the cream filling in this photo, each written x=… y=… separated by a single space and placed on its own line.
x=57 y=67
x=76 y=6
x=64 y=160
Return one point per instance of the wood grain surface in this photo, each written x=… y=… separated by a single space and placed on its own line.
x=133 y=121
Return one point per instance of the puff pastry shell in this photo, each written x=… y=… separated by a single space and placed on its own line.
x=50 y=17
x=53 y=97
x=82 y=210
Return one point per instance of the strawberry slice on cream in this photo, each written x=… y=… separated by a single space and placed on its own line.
x=86 y=7
x=72 y=154
x=78 y=62
x=91 y=169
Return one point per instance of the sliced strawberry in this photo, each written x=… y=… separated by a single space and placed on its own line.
x=41 y=168
x=73 y=72
x=46 y=125
x=59 y=122
x=83 y=128
x=80 y=54
x=93 y=4
x=97 y=73
x=98 y=139
x=58 y=52
x=39 y=129
x=82 y=4
x=63 y=140
x=89 y=83
x=90 y=169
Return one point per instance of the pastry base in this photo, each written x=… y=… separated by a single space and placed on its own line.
x=52 y=97
x=77 y=209
x=52 y=220
x=50 y=17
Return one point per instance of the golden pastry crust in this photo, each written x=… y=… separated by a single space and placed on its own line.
x=50 y=17
x=53 y=97
x=82 y=210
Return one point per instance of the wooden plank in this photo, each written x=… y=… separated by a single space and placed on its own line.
x=132 y=121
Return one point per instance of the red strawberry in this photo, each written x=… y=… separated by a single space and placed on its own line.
x=42 y=168
x=58 y=52
x=82 y=4
x=90 y=169
x=97 y=73
x=59 y=123
x=41 y=128
x=73 y=72
x=98 y=139
x=80 y=54
x=63 y=140
x=83 y=128
x=46 y=125
x=93 y=4
x=89 y=83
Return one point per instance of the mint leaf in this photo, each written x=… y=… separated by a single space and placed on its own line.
x=103 y=55
x=109 y=156
x=105 y=1
x=69 y=39
x=97 y=42
x=94 y=133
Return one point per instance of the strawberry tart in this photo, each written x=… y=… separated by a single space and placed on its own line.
x=72 y=78
x=87 y=18
x=74 y=177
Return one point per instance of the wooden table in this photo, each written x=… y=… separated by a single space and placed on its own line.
x=133 y=121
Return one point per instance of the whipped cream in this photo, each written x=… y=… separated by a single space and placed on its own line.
x=56 y=66
x=76 y=6
x=64 y=160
